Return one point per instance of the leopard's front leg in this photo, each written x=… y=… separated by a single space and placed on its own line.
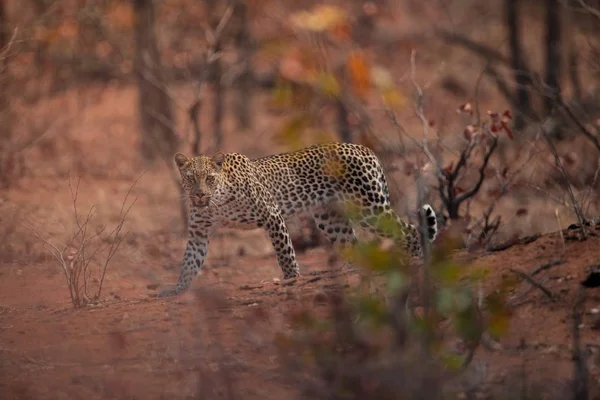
x=199 y=228
x=282 y=242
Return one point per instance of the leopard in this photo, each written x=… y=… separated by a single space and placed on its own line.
x=322 y=181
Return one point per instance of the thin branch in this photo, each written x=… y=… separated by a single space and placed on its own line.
x=469 y=44
x=580 y=373
x=547 y=265
x=589 y=9
x=582 y=128
x=576 y=206
x=535 y=283
x=117 y=240
x=4 y=52
x=486 y=160
x=212 y=55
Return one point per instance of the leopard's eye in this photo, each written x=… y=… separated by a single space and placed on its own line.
x=210 y=179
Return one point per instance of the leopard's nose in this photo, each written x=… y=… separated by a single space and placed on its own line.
x=200 y=200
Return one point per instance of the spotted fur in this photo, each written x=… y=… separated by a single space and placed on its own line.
x=232 y=190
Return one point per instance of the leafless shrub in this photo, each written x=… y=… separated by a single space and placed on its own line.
x=85 y=258
x=460 y=181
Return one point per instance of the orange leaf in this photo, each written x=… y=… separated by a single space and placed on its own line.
x=358 y=70
x=341 y=31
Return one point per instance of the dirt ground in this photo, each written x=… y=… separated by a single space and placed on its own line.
x=219 y=337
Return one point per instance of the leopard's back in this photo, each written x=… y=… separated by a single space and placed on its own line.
x=322 y=173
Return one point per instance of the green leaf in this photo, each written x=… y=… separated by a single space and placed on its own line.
x=372 y=308
x=499 y=314
x=293 y=130
x=328 y=84
x=396 y=281
x=282 y=95
x=478 y=274
x=467 y=324
x=452 y=361
x=447 y=271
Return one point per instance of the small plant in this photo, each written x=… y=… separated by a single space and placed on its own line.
x=85 y=258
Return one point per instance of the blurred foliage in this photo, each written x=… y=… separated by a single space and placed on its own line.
x=397 y=322
x=319 y=66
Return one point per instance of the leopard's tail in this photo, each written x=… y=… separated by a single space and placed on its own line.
x=430 y=221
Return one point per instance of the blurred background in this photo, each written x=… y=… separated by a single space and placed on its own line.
x=108 y=89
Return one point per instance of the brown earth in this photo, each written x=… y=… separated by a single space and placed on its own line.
x=220 y=335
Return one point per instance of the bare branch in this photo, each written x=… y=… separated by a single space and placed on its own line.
x=580 y=375
x=212 y=55
x=591 y=10
x=4 y=52
x=117 y=240
x=535 y=283
x=486 y=160
x=582 y=128
x=574 y=203
x=477 y=48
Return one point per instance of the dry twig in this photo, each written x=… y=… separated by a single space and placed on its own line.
x=82 y=249
x=535 y=283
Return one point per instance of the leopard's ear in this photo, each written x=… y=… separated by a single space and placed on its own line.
x=218 y=158
x=181 y=159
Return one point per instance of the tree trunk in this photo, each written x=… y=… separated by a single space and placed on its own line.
x=244 y=83
x=8 y=156
x=344 y=130
x=215 y=76
x=158 y=138
x=3 y=64
x=522 y=78
x=219 y=98
x=553 y=55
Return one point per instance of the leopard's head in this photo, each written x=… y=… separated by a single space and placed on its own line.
x=202 y=177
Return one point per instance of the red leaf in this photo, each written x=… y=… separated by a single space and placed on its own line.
x=522 y=211
x=507 y=114
x=569 y=159
x=448 y=169
x=458 y=190
x=408 y=168
x=493 y=116
x=493 y=192
x=508 y=131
